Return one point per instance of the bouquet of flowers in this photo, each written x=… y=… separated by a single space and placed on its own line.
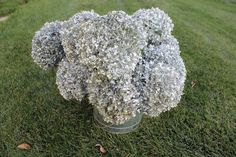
x=126 y=64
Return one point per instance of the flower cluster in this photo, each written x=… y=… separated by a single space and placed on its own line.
x=127 y=64
x=71 y=80
x=155 y=22
x=159 y=77
x=47 y=50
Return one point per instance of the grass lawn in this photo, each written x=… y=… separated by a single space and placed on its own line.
x=204 y=123
x=9 y=6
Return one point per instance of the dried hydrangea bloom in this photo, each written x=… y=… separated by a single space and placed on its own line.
x=110 y=45
x=160 y=77
x=163 y=89
x=71 y=80
x=102 y=41
x=69 y=38
x=82 y=17
x=155 y=22
x=47 y=50
x=116 y=100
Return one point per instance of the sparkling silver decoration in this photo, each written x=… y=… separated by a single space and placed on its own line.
x=127 y=64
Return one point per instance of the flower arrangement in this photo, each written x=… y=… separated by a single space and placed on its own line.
x=126 y=64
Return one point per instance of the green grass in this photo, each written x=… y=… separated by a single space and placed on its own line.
x=9 y=6
x=204 y=123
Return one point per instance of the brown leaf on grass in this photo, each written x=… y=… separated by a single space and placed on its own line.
x=193 y=83
x=101 y=148
x=24 y=146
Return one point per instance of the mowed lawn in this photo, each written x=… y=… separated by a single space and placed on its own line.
x=9 y=6
x=204 y=123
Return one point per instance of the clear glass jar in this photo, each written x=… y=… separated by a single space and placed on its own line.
x=127 y=127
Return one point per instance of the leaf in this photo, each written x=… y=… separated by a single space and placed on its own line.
x=101 y=148
x=24 y=146
x=193 y=83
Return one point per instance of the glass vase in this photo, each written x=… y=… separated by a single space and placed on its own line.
x=126 y=127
